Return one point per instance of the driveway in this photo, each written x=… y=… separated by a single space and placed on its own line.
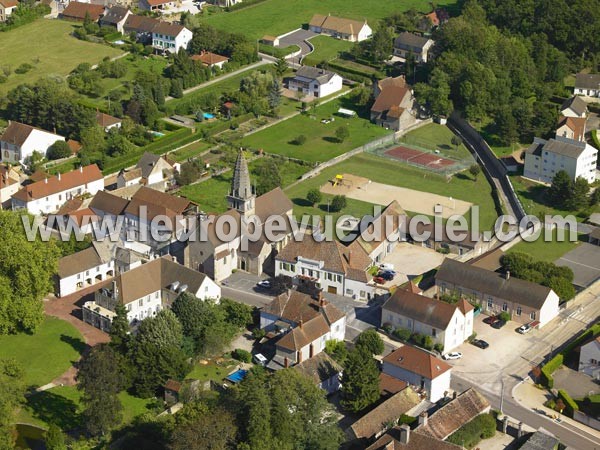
x=299 y=38
x=577 y=384
x=593 y=122
x=584 y=261
x=411 y=260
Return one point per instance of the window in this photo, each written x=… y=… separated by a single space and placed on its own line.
x=504 y=306
x=349 y=292
x=363 y=294
x=78 y=276
x=141 y=302
x=434 y=332
x=490 y=303
x=519 y=310
x=129 y=307
x=532 y=315
x=594 y=361
x=156 y=294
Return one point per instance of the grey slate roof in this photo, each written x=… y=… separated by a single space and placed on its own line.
x=429 y=311
x=240 y=184
x=410 y=41
x=115 y=15
x=576 y=104
x=322 y=76
x=492 y=283
x=540 y=440
x=587 y=81
x=560 y=146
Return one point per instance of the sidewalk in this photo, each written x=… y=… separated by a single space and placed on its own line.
x=533 y=398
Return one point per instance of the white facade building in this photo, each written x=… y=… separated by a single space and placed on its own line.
x=420 y=369
x=587 y=84
x=20 y=141
x=85 y=268
x=48 y=195
x=544 y=159
x=589 y=358
x=341 y=28
x=315 y=82
x=168 y=37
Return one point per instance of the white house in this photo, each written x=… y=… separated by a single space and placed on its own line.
x=152 y=170
x=326 y=265
x=407 y=44
x=587 y=84
x=524 y=300
x=6 y=9
x=338 y=27
x=107 y=121
x=210 y=59
x=589 y=358
x=448 y=324
x=420 y=369
x=10 y=183
x=543 y=159
x=574 y=107
x=170 y=37
x=48 y=195
x=116 y=16
x=19 y=141
x=156 y=5
x=315 y=82
x=146 y=290
x=85 y=268
x=305 y=325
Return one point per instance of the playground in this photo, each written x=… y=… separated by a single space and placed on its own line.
x=360 y=188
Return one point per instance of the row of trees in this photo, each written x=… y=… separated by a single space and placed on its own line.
x=565 y=193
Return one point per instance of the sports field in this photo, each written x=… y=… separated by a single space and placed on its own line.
x=276 y=17
x=47 y=45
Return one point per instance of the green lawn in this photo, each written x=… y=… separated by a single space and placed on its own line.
x=326 y=49
x=210 y=194
x=544 y=250
x=383 y=170
x=534 y=199
x=190 y=151
x=211 y=371
x=276 y=17
x=47 y=45
x=437 y=137
x=62 y=405
x=46 y=354
x=321 y=144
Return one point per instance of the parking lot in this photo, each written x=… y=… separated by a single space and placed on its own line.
x=584 y=261
x=411 y=260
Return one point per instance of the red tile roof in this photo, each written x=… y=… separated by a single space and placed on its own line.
x=210 y=58
x=78 y=10
x=9 y=3
x=105 y=120
x=417 y=361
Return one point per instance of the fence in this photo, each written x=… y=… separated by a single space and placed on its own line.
x=586 y=420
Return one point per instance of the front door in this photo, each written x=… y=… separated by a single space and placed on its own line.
x=332 y=290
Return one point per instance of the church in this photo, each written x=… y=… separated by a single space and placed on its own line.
x=219 y=258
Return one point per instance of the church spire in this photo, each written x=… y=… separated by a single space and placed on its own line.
x=242 y=195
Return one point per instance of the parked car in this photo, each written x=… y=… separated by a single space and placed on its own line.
x=523 y=329
x=265 y=284
x=480 y=343
x=491 y=320
x=260 y=359
x=386 y=275
x=499 y=324
x=452 y=355
x=386 y=266
x=379 y=280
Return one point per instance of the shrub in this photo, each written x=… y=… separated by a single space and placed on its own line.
x=3 y=79
x=23 y=68
x=570 y=405
x=371 y=340
x=438 y=348
x=299 y=140
x=338 y=203
x=401 y=334
x=504 y=316
x=549 y=369
x=58 y=150
x=258 y=333
x=314 y=196
x=469 y=435
x=242 y=355
x=337 y=350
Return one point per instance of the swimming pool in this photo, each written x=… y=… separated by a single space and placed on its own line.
x=208 y=115
x=237 y=376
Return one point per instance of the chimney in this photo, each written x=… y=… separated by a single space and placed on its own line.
x=321 y=299
x=423 y=418
x=58 y=176
x=454 y=395
x=507 y=275
x=286 y=362
x=404 y=434
x=46 y=180
x=299 y=356
x=350 y=257
x=81 y=169
x=115 y=289
x=311 y=351
x=300 y=323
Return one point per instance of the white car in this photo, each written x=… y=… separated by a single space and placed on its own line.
x=524 y=329
x=265 y=284
x=453 y=355
x=386 y=266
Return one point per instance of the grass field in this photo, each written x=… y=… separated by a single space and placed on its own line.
x=385 y=171
x=210 y=194
x=62 y=405
x=546 y=250
x=321 y=144
x=47 y=45
x=326 y=49
x=46 y=354
x=437 y=137
x=211 y=371
x=276 y=17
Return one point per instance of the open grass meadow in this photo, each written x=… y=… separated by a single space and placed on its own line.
x=46 y=354
x=210 y=194
x=321 y=143
x=327 y=48
x=49 y=48
x=382 y=170
x=547 y=250
x=276 y=17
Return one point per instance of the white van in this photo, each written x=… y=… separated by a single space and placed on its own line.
x=260 y=359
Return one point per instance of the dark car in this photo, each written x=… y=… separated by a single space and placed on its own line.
x=491 y=320
x=480 y=343
x=499 y=324
x=386 y=275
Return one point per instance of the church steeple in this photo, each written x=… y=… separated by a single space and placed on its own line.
x=241 y=196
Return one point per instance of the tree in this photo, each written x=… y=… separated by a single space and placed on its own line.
x=456 y=141
x=280 y=66
x=176 y=88
x=579 y=194
x=93 y=139
x=27 y=268
x=101 y=377
x=595 y=197
x=562 y=286
x=267 y=175
x=12 y=391
x=119 y=329
x=371 y=341
x=212 y=430
x=314 y=196
x=338 y=203
x=237 y=314
x=299 y=140
x=274 y=97
x=34 y=161
x=474 y=170
x=560 y=189
x=337 y=350
x=504 y=316
x=360 y=381
x=55 y=438
x=342 y=133
x=58 y=150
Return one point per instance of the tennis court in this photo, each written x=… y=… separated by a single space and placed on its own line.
x=429 y=160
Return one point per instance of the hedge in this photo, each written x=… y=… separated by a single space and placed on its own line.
x=570 y=405
x=549 y=369
x=469 y=435
x=596 y=139
x=242 y=355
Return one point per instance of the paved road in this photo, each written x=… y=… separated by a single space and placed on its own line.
x=299 y=38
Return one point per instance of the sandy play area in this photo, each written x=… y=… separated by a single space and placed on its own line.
x=360 y=188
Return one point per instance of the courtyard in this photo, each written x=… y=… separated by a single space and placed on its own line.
x=412 y=260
